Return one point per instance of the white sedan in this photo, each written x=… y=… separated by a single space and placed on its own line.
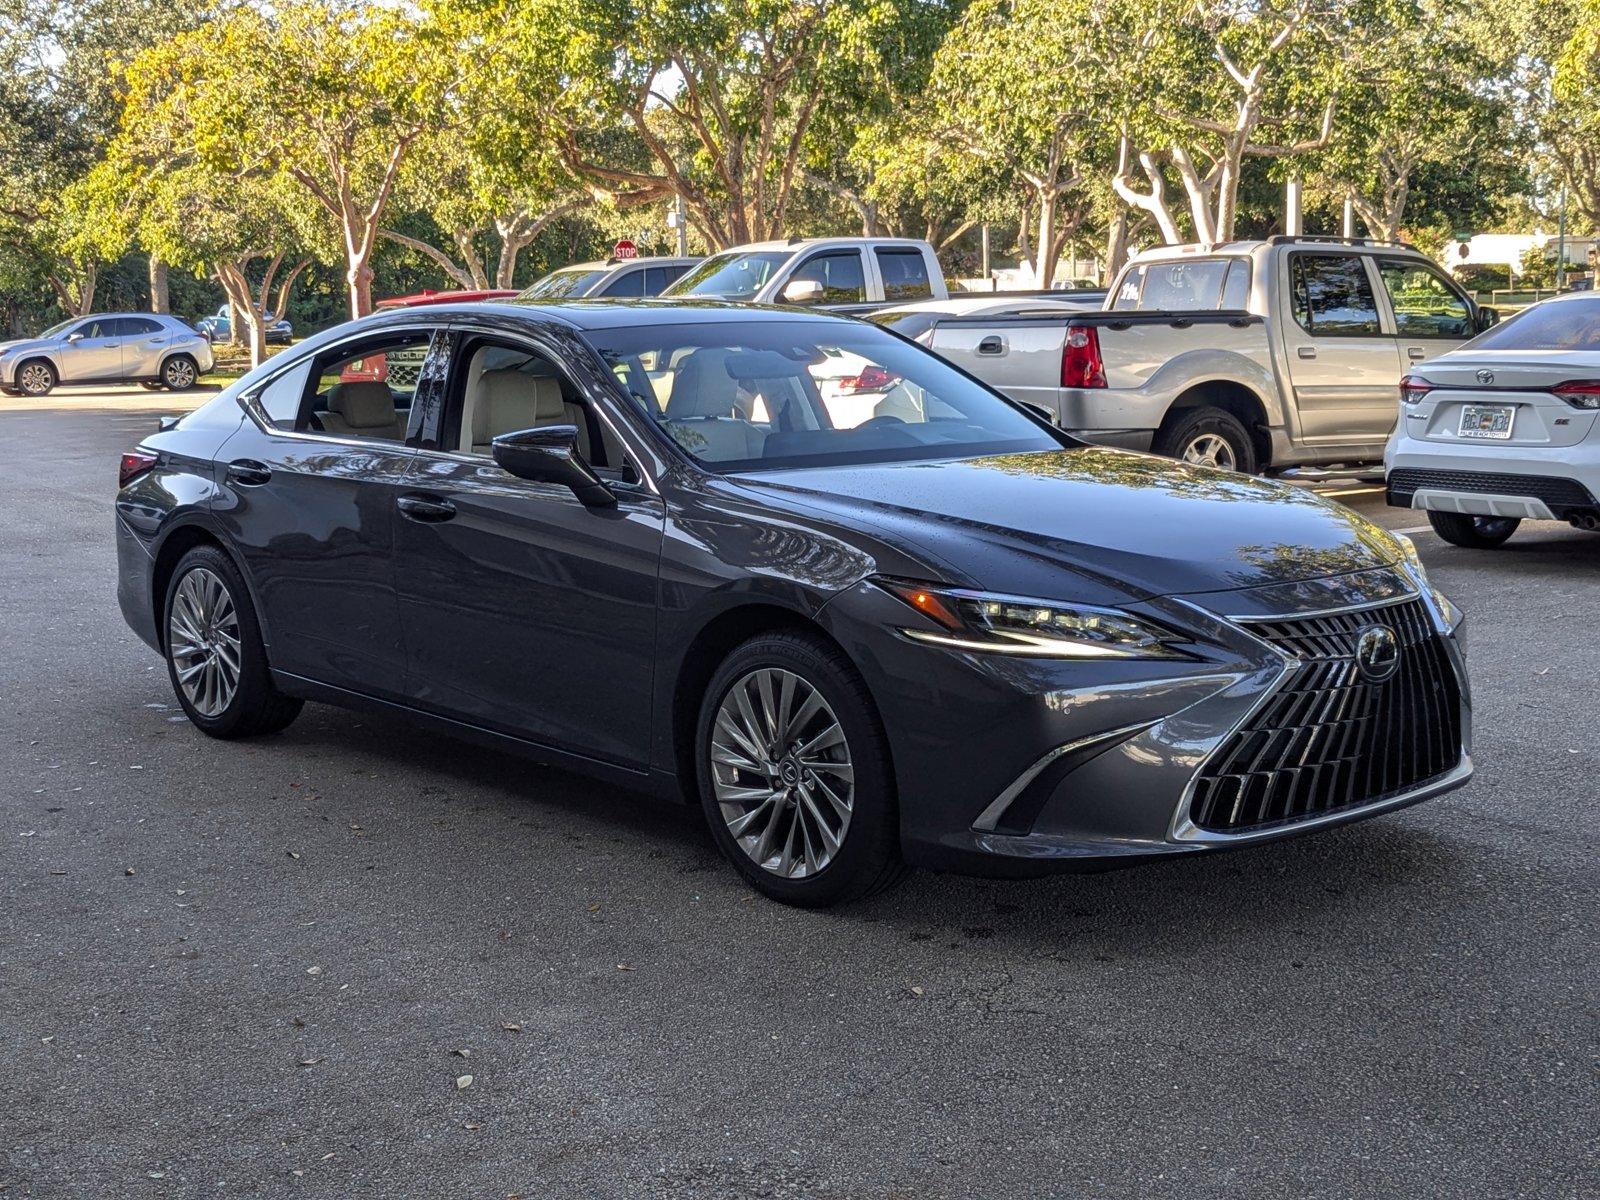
x=1504 y=428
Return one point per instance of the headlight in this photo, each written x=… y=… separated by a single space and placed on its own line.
x=1448 y=612
x=1039 y=629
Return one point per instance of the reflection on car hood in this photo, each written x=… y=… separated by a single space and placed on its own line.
x=27 y=344
x=1139 y=525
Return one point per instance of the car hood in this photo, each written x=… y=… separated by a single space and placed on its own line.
x=1133 y=524
x=27 y=344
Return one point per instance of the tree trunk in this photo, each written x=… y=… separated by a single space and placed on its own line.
x=1048 y=245
x=1116 y=246
x=235 y=319
x=160 y=298
x=359 y=280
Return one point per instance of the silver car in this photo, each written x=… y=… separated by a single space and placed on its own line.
x=154 y=349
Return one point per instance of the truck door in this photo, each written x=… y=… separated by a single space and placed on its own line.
x=1343 y=368
x=1431 y=316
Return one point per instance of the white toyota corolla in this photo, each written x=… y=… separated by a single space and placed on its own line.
x=1504 y=428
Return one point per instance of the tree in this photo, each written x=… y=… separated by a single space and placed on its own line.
x=333 y=98
x=1572 y=125
x=1207 y=84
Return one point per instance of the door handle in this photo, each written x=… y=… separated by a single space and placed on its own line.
x=993 y=344
x=427 y=509
x=247 y=472
x=1416 y=353
x=1306 y=351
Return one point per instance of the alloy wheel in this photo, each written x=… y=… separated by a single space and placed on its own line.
x=781 y=773
x=179 y=374
x=35 y=379
x=203 y=641
x=1210 y=450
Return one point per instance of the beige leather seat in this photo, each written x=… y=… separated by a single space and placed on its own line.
x=507 y=401
x=363 y=409
x=706 y=414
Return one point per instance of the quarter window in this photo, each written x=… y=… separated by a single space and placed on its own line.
x=1332 y=296
x=1425 y=306
x=280 y=400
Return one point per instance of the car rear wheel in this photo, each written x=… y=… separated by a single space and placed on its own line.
x=1207 y=437
x=1475 y=533
x=794 y=774
x=36 y=377
x=215 y=657
x=179 y=373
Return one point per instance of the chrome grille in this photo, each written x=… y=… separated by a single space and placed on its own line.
x=1328 y=738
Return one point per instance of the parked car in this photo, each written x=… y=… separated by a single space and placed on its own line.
x=613 y=279
x=429 y=296
x=1504 y=429
x=845 y=274
x=1246 y=355
x=150 y=348
x=626 y=539
x=219 y=327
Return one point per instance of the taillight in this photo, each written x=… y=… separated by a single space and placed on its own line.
x=1080 y=358
x=871 y=379
x=134 y=464
x=1580 y=393
x=1413 y=388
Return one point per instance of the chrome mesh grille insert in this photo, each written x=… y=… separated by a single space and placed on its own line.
x=1329 y=739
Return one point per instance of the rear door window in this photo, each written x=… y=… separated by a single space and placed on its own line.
x=629 y=283
x=905 y=275
x=1331 y=296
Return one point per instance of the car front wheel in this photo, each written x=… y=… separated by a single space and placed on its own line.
x=794 y=773
x=36 y=377
x=215 y=657
x=179 y=373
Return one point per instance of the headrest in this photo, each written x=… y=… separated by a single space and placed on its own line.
x=509 y=400
x=702 y=387
x=363 y=403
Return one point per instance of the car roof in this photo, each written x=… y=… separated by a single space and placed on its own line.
x=429 y=296
x=605 y=314
x=604 y=264
x=793 y=245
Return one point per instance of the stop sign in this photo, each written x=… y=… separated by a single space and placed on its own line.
x=624 y=249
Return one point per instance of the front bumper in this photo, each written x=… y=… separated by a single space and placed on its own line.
x=1023 y=767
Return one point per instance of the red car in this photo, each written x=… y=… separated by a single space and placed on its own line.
x=377 y=368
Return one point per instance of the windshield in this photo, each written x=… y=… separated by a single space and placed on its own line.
x=1555 y=325
x=60 y=327
x=736 y=275
x=764 y=396
x=560 y=284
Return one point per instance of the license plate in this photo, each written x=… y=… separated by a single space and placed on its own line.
x=1481 y=421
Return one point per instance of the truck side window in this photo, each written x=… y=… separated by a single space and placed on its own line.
x=1332 y=296
x=905 y=275
x=1236 y=287
x=1425 y=306
x=839 y=274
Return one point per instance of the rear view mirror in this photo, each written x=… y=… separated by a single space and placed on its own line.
x=549 y=454
x=1488 y=318
x=803 y=291
x=74 y=338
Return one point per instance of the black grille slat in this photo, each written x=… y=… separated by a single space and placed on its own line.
x=1328 y=739
x=1404 y=482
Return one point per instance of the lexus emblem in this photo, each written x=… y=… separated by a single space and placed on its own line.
x=1377 y=654
x=1486 y=377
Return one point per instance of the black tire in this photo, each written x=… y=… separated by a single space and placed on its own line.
x=36 y=369
x=1188 y=427
x=179 y=373
x=868 y=858
x=1475 y=533
x=256 y=707
x=149 y=386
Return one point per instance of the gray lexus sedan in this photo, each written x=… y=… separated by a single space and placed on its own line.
x=640 y=540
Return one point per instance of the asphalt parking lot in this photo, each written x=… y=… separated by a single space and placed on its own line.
x=264 y=969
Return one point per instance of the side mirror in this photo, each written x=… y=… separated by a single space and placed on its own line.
x=549 y=454
x=74 y=338
x=803 y=291
x=1488 y=318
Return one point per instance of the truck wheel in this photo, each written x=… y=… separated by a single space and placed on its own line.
x=1207 y=437
x=1475 y=533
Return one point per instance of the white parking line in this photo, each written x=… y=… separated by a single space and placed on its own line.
x=1364 y=491
x=1415 y=529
